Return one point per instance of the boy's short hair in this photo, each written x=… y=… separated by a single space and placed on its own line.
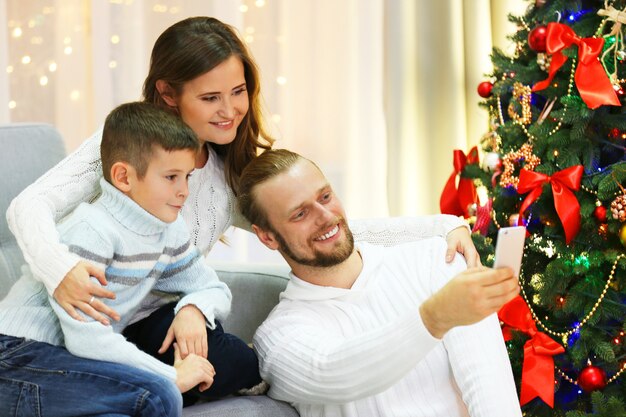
x=132 y=130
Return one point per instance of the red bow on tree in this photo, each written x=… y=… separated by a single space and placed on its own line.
x=593 y=84
x=565 y=202
x=456 y=201
x=538 y=366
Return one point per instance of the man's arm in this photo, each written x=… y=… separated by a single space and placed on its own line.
x=482 y=369
x=304 y=362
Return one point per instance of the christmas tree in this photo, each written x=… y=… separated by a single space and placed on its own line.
x=554 y=161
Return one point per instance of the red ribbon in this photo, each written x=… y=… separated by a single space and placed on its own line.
x=456 y=201
x=538 y=366
x=593 y=84
x=565 y=202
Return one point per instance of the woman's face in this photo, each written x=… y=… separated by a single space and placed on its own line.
x=214 y=103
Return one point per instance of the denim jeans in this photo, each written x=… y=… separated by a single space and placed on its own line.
x=236 y=365
x=41 y=379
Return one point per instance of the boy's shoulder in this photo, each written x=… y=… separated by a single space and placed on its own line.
x=89 y=215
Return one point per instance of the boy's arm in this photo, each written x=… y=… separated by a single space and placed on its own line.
x=91 y=339
x=189 y=274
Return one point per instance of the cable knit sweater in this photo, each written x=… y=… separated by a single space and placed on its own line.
x=365 y=351
x=210 y=209
x=139 y=254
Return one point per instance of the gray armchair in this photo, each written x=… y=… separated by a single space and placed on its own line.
x=28 y=151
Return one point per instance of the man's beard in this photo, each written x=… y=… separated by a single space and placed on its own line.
x=320 y=259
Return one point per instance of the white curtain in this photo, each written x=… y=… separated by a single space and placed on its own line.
x=437 y=54
x=377 y=92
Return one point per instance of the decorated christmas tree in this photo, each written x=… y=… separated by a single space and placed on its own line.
x=554 y=161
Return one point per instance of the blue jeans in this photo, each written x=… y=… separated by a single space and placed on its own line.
x=41 y=379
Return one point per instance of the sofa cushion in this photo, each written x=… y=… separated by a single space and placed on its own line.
x=257 y=406
x=28 y=151
x=255 y=289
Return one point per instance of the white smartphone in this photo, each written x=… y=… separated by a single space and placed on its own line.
x=510 y=248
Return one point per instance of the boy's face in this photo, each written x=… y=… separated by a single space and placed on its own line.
x=163 y=189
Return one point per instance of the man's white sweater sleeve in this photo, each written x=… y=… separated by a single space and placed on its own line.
x=302 y=363
x=33 y=213
x=482 y=370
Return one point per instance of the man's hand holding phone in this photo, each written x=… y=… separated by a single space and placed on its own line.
x=510 y=248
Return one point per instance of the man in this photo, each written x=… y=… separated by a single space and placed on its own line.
x=372 y=331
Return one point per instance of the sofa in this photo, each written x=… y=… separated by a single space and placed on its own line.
x=28 y=151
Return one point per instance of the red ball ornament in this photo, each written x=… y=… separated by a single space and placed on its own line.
x=592 y=378
x=614 y=133
x=537 y=38
x=484 y=89
x=600 y=214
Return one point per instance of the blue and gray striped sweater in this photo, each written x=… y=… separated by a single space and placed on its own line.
x=140 y=254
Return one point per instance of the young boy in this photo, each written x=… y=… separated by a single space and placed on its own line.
x=134 y=232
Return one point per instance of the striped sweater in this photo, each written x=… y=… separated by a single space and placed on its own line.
x=140 y=254
x=365 y=351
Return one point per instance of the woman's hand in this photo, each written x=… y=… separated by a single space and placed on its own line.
x=460 y=240
x=189 y=331
x=77 y=291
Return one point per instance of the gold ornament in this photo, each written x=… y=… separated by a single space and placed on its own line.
x=602 y=230
x=543 y=60
x=618 y=208
x=522 y=94
x=523 y=156
x=622 y=234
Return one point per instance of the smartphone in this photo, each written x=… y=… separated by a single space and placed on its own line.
x=510 y=247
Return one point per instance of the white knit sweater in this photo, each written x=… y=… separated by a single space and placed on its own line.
x=366 y=352
x=210 y=209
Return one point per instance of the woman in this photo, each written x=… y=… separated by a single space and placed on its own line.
x=201 y=71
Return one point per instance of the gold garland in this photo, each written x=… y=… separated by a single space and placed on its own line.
x=566 y=334
x=522 y=93
x=531 y=137
x=571 y=381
